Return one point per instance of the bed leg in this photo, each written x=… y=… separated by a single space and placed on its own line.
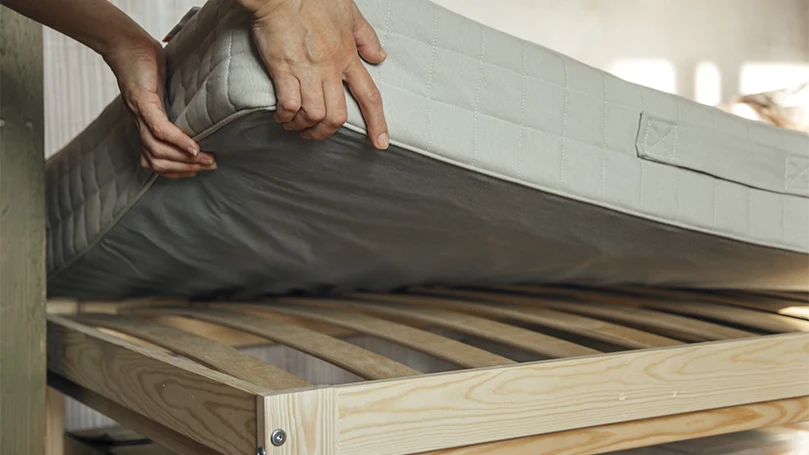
x=22 y=237
x=55 y=423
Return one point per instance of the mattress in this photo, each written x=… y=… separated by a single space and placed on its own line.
x=509 y=163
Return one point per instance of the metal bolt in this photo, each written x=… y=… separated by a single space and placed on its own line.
x=260 y=451
x=278 y=438
x=29 y=124
x=2 y=123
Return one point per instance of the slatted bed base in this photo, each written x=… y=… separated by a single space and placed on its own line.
x=506 y=370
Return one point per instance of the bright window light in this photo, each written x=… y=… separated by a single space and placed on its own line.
x=708 y=84
x=655 y=73
x=765 y=77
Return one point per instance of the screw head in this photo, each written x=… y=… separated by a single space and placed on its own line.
x=278 y=437
x=260 y=451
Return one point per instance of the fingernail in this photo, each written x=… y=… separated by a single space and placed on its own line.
x=383 y=54
x=193 y=151
x=212 y=166
x=384 y=141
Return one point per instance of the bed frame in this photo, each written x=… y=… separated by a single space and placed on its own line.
x=597 y=370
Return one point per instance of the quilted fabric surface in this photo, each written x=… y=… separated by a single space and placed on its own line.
x=467 y=100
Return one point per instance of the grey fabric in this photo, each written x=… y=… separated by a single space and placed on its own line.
x=510 y=163
x=286 y=214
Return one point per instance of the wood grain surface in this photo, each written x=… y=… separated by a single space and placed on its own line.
x=22 y=237
x=216 y=410
x=469 y=407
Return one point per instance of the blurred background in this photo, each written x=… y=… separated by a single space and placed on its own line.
x=709 y=51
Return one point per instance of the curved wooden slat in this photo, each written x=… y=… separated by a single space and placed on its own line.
x=745 y=317
x=361 y=362
x=669 y=324
x=785 y=307
x=618 y=335
x=444 y=348
x=215 y=355
x=505 y=334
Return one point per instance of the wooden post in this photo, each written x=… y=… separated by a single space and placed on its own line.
x=22 y=237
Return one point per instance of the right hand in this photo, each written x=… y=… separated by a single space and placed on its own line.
x=310 y=48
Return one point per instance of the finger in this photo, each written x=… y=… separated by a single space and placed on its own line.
x=288 y=94
x=162 y=166
x=159 y=149
x=179 y=175
x=367 y=40
x=162 y=129
x=336 y=112
x=370 y=100
x=313 y=107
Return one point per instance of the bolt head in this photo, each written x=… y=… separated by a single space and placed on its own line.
x=278 y=438
x=260 y=451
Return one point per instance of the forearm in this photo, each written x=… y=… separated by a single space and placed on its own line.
x=97 y=24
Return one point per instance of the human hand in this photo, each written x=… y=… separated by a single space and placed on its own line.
x=139 y=65
x=310 y=48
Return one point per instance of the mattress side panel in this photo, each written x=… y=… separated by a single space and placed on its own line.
x=90 y=183
x=285 y=214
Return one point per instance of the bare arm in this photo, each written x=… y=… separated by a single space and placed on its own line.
x=139 y=65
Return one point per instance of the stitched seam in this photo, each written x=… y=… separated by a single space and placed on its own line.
x=791 y=180
x=227 y=74
x=477 y=98
x=564 y=125
x=674 y=160
x=529 y=76
x=522 y=114
x=487 y=116
x=646 y=147
x=385 y=34
x=604 y=143
x=430 y=128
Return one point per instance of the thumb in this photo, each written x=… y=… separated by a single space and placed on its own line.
x=367 y=40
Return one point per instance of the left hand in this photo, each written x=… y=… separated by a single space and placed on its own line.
x=139 y=65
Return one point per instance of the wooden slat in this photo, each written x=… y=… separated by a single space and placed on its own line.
x=753 y=319
x=626 y=337
x=218 y=356
x=444 y=348
x=739 y=314
x=168 y=389
x=361 y=362
x=22 y=236
x=668 y=324
x=772 y=305
x=147 y=426
x=644 y=433
x=505 y=334
x=777 y=305
x=477 y=406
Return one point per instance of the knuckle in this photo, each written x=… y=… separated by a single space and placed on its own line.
x=290 y=105
x=316 y=114
x=337 y=120
x=374 y=95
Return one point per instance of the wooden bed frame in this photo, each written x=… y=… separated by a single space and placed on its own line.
x=605 y=370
